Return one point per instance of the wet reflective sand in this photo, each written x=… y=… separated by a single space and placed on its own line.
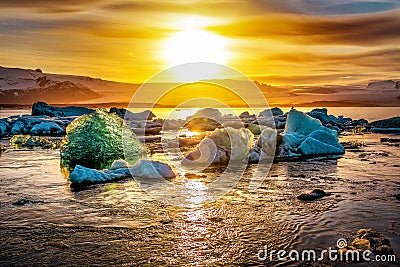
x=44 y=223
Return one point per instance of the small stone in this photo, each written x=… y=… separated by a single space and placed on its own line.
x=383 y=250
x=166 y=221
x=21 y=202
x=361 y=243
x=216 y=219
x=58 y=244
x=314 y=194
x=363 y=231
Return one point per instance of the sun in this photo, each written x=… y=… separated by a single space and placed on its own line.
x=195 y=44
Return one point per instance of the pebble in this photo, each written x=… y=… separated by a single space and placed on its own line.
x=313 y=195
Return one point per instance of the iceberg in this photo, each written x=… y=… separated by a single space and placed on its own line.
x=145 y=127
x=4 y=127
x=171 y=124
x=143 y=168
x=95 y=140
x=256 y=129
x=211 y=113
x=207 y=119
x=221 y=146
x=265 y=146
x=47 y=128
x=234 y=124
x=267 y=143
x=18 y=128
x=42 y=108
x=118 y=164
x=273 y=111
x=306 y=136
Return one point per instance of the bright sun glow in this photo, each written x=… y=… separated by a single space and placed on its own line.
x=194 y=44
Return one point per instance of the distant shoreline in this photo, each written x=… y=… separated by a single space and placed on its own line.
x=148 y=106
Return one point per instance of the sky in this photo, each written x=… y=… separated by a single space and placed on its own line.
x=291 y=42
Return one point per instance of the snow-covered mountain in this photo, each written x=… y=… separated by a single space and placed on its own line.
x=25 y=86
x=374 y=93
x=385 y=85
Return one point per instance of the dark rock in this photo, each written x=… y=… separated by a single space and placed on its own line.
x=42 y=108
x=128 y=115
x=21 y=202
x=244 y=115
x=216 y=219
x=57 y=244
x=166 y=221
x=397 y=196
x=313 y=195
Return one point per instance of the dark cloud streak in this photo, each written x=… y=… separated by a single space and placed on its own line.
x=389 y=55
x=307 y=29
x=45 y=6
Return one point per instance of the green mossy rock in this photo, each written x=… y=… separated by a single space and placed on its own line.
x=96 y=140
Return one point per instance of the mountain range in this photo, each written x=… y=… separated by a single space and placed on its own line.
x=26 y=86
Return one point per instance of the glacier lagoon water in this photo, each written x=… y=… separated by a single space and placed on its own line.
x=44 y=223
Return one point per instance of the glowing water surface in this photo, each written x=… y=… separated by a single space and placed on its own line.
x=44 y=223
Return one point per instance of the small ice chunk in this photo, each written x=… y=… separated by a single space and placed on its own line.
x=119 y=163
